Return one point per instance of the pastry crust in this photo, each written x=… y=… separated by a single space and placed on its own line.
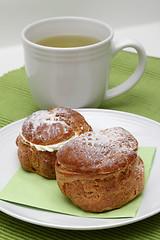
x=100 y=171
x=42 y=134
x=32 y=160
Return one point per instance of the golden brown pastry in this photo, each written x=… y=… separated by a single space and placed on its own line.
x=100 y=171
x=43 y=133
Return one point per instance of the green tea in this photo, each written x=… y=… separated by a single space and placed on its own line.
x=65 y=41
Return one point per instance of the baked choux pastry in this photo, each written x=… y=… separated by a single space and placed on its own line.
x=43 y=133
x=100 y=171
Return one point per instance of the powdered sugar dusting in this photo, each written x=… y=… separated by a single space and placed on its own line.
x=122 y=137
x=40 y=118
x=114 y=137
x=107 y=150
x=54 y=126
x=40 y=126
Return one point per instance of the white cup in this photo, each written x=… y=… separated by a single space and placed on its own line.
x=74 y=77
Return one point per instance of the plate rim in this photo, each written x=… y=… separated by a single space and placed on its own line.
x=125 y=221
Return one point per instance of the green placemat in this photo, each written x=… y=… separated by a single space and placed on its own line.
x=144 y=99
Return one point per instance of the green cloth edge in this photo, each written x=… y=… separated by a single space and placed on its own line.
x=31 y=189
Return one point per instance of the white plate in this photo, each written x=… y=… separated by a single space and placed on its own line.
x=145 y=130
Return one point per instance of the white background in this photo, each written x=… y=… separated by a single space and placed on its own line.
x=138 y=19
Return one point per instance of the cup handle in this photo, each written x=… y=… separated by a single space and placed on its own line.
x=135 y=77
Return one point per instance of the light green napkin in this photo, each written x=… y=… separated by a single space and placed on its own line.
x=35 y=191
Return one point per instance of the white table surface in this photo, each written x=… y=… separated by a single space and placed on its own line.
x=138 y=19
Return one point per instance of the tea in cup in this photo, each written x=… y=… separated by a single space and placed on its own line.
x=68 y=61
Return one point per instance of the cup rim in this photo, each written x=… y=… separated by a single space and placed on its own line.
x=47 y=48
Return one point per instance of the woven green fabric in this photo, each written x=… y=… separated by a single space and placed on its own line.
x=144 y=99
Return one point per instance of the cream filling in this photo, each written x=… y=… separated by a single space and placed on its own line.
x=49 y=148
